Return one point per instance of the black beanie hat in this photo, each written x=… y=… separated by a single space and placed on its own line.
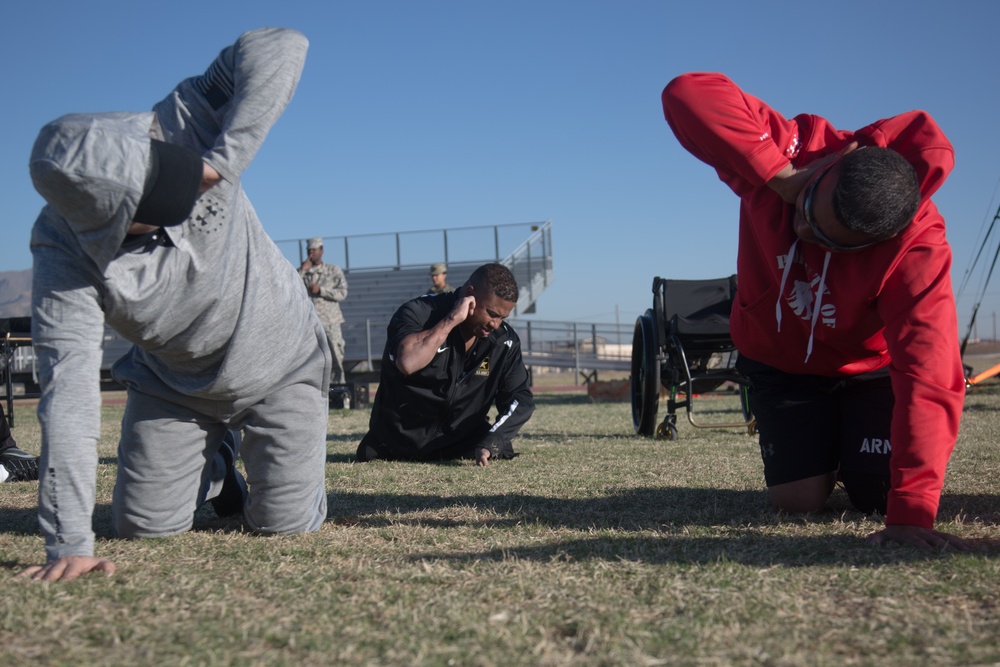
x=172 y=185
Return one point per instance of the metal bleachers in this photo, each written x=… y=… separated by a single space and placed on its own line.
x=385 y=270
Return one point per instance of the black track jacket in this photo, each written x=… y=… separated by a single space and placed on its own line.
x=446 y=404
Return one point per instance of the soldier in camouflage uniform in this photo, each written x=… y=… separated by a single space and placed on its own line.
x=327 y=286
x=439 y=280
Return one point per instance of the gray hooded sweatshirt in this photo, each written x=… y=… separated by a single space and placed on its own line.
x=217 y=315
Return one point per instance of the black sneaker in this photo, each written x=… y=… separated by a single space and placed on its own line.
x=234 y=488
x=19 y=464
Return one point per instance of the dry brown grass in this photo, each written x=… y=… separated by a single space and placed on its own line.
x=594 y=547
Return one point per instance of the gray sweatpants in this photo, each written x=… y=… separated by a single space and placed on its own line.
x=166 y=452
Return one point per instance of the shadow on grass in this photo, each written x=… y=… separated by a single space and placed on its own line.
x=24 y=521
x=666 y=517
x=749 y=548
x=980 y=508
x=632 y=509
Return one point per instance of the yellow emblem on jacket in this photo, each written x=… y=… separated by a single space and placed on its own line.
x=484 y=368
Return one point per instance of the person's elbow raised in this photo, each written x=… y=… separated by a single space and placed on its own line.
x=678 y=87
x=689 y=89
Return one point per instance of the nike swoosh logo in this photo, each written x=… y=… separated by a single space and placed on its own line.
x=443 y=348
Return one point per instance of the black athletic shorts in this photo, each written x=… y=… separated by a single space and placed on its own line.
x=811 y=425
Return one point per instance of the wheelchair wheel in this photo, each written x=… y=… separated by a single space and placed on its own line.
x=645 y=382
x=667 y=431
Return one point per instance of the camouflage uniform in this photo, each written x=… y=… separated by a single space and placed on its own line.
x=332 y=290
x=441 y=290
x=437 y=269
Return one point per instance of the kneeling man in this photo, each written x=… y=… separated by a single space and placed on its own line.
x=447 y=359
x=147 y=228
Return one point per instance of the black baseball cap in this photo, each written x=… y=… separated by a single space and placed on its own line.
x=173 y=184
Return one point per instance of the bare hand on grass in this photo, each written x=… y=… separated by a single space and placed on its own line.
x=68 y=568
x=482 y=456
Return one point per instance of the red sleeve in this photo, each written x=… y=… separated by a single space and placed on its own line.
x=921 y=333
x=745 y=140
x=917 y=305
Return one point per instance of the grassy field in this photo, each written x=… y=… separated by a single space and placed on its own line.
x=594 y=547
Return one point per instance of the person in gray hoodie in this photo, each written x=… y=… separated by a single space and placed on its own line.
x=147 y=227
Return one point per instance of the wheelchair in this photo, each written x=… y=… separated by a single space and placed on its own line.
x=683 y=344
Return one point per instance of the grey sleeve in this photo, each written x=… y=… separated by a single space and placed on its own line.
x=260 y=72
x=67 y=328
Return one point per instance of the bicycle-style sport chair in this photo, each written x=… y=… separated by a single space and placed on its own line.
x=683 y=343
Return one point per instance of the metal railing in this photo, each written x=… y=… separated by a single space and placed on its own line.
x=584 y=347
x=530 y=260
x=531 y=264
x=483 y=243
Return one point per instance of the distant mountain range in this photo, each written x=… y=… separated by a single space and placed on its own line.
x=15 y=293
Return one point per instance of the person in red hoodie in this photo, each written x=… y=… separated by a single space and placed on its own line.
x=845 y=318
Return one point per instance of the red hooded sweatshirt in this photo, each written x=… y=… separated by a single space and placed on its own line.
x=807 y=310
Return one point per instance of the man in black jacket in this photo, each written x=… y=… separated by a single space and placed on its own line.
x=448 y=358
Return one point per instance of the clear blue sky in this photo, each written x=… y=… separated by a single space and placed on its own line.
x=415 y=115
